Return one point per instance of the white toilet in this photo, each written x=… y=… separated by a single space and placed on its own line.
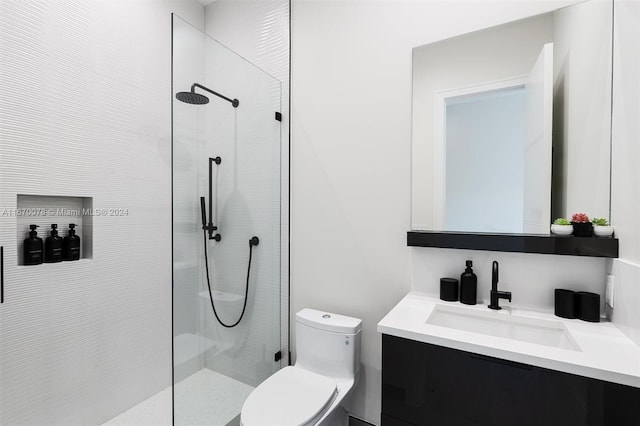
x=313 y=391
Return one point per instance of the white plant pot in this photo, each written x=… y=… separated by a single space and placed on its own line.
x=603 y=231
x=562 y=230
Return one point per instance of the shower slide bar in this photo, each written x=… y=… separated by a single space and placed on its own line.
x=210 y=227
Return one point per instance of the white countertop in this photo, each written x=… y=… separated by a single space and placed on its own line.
x=605 y=353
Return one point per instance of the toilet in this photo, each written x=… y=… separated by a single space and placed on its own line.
x=314 y=390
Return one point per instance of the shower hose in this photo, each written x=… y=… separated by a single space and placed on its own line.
x=252 y=242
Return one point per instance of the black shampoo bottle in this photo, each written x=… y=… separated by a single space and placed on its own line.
x=71 y=245
x=468 y=285
x=33 y=247
x=53 y=246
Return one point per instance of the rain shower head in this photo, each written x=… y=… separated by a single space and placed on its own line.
x=192 y=98
x=197 y=99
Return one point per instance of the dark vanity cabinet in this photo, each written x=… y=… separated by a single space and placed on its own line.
x=424 y=384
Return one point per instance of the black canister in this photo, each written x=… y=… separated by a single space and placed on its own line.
x=565 y=303
x=588 y=306
x=449 y=289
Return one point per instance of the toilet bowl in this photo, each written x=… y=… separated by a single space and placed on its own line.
x=314 y=390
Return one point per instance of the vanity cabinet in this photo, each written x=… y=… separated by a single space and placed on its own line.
x=425 y=384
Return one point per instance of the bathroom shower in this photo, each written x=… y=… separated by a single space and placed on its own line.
x=194 y=98
x=218 y=359
x=208 y=228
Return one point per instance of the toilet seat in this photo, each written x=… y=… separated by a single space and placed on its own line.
x=291 y=397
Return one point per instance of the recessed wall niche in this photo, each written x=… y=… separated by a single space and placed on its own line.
x=43 y=210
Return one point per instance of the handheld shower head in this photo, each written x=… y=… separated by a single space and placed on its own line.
x=203 y=211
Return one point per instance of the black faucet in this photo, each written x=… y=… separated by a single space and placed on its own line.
x=495 y=294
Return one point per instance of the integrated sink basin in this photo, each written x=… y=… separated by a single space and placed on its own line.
x=504 y=325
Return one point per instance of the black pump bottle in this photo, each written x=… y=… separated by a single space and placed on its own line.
x=468 y=285
x=53 y=246
x=71 y=245
x=33 y=247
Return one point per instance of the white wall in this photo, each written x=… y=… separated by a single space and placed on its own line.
x=530 y=277
x=86 y=111
x=258 y=30
x=351 y=157
x=625 y=194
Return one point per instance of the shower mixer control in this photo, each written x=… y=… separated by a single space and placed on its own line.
x=211 y=228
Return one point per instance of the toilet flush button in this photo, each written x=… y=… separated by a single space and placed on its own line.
x=325 y=316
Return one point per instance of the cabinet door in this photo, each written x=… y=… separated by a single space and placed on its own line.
x=620 y=405
x=566 y=399
x=430 y=385
x=424 y=384
x=511 y=392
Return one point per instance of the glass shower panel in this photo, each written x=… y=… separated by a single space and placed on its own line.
x=216 y=366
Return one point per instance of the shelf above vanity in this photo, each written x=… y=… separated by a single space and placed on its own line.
x=522 y=243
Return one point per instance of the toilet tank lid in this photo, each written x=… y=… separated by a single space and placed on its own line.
x=330 y=322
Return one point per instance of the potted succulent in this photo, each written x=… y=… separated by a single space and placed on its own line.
x=582 y=226
x=601 y=227
x=561 y=226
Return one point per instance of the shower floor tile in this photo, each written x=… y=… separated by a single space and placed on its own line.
x=209 y=398
x=154 y=411
x=204 y=398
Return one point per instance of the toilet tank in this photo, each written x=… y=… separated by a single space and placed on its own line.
x=327 y=343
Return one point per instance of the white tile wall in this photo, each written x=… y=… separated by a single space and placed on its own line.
x=85 y=111
x=258 y=30
x=530 y=277
x=247 y=203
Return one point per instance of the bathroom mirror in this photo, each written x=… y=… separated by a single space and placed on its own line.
x=491 y=154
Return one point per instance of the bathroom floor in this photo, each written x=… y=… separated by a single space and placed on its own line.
x=204 y=398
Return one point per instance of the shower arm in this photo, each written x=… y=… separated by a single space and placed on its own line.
x=234 y=102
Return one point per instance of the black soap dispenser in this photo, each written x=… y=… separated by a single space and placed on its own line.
x=468 y=286
x=33 y=247
x=53 y=246
x=71 y=245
